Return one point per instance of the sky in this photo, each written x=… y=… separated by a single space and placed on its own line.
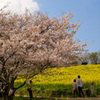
x=87 y=12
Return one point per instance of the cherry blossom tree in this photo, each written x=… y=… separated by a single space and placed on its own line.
x=33 y=42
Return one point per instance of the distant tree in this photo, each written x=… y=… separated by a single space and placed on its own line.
x=85 y=59
x=93 y=57
x=31 y=43
x=99 y=57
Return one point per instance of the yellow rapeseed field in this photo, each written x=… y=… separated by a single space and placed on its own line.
x=64 y=76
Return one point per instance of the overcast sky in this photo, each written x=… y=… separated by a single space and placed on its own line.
x=86 y=11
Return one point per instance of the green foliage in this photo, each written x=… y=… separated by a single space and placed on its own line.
x=94 y=57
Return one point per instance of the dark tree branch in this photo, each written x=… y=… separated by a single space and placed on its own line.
x=20 y=86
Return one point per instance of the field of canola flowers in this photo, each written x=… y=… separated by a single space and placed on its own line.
x=62 y=78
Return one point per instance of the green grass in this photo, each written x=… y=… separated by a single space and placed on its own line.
x=27 y=98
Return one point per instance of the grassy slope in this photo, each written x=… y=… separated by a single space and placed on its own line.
x=62 y=78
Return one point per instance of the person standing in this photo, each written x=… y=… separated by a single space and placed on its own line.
x=75 y=87
x=80 y=85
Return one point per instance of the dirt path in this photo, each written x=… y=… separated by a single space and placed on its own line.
x=83 y=99
x=76 y=98
x=91 y=98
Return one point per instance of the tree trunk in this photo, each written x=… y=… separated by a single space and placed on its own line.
x=6 y=97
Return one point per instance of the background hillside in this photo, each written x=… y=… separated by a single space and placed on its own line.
x=62 y=78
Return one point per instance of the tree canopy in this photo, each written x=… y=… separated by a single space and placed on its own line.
x=32 y=42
